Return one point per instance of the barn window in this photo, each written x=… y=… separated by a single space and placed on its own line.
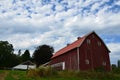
x=87 y=61
x=104 y=63
x=93 y=36
x=88 y=41
x=99 y=43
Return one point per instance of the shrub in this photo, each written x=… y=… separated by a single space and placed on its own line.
x=99 y=69
x=41 y=72
x=32 y=73
x=116 y=70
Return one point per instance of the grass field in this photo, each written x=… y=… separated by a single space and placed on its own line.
x=63 y=75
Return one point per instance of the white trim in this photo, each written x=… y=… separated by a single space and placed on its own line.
x=63 y=66
x=59 y=64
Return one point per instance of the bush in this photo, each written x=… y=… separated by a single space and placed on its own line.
x=116 y=70
x=32 y=73
x=41 y=72
x=99 y=69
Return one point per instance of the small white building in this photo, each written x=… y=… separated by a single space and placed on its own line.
x=24 y=66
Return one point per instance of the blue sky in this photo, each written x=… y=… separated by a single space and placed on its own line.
x=29 y=23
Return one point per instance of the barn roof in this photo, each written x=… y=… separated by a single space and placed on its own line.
x=73 y=45
x=28 y=62
x=69 y=47
x=23 y=66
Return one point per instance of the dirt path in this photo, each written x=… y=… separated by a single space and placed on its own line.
x=3 y=75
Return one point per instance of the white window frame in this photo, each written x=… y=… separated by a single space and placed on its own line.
x=104 y=63
x=93 y=36
x=99 y=43
x=87 y=61
x=88 y=41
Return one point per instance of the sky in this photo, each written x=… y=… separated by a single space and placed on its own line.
x=29 y=23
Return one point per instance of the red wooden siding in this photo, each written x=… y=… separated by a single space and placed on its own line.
x=95 y=52
x=69 y=58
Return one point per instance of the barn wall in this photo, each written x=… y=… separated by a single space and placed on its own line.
x=70 y=59
x=93 y=54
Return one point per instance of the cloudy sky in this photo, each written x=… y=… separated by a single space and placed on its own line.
x=29 y=23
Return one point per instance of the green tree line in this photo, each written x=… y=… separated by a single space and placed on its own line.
x=8 y=58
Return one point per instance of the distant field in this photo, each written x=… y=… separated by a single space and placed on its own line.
x=21 y=75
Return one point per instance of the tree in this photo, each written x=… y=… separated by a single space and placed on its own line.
x=119 y=63
x=42 y=54
x=7 y=58
x=6 y=50
x=26 y=56
x=19 y=52
x=14 y=60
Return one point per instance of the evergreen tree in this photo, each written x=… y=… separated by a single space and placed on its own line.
x=19 y=52
x=25 y=56
x=119 y=63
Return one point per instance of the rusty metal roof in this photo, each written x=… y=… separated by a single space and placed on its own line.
x=69 y=47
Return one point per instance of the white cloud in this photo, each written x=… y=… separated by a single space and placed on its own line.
x=114 y=47
x=95 y=6
x=117 y=3
x=115 y=52
x=25 y=24
x=59 y=8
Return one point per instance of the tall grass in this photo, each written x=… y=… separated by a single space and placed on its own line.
x=48 y=72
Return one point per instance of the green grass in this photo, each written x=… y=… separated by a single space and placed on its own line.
x=16 y=75
x=1 y=71
x=61 y=75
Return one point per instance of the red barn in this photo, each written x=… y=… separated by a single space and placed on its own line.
x=86 y=53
